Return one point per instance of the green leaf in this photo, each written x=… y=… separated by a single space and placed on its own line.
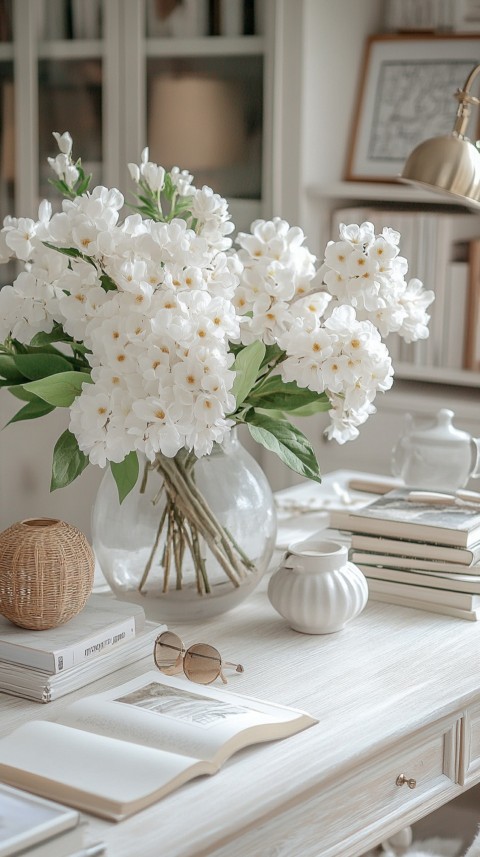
x=322 y=404
x=83 y=184
x=125 y=474
x=68 y=461
x=59 y=390
x=272 y=354
x=41 y=365
x=286 y=441
x=33 y=409
x=246 y=365
x=57 y=334
x=79 y=347
x=22 y=394
x=8 y=370
x=68 y=251
x=274 y=415
x=107 y=283
x=282 y=395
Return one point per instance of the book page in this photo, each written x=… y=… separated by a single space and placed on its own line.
x=92 y=772
x=172 y=713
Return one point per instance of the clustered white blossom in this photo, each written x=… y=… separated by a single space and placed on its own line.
x=330 y=322
x=158 y=304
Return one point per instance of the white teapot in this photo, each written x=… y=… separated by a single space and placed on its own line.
x=439 y=458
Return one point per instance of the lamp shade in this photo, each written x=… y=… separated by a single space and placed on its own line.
x=447 y=164
x=196 y=122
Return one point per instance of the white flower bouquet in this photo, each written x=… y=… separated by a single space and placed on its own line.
x=159 y=337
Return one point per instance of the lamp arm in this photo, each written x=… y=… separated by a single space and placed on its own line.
x=465 y=99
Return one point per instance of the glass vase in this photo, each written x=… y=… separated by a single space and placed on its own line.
x=194 y=536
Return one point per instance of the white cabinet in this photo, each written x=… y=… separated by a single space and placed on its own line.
x=109 y=72
x=117 y=78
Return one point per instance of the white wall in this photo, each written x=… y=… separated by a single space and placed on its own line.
x=332 y=31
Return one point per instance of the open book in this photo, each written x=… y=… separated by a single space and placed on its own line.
x=116 y=752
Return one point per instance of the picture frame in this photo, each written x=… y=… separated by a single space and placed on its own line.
x=466 y=15
x=406 y=95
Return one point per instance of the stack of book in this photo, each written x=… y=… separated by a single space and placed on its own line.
x=43 y=665
x=418 y=553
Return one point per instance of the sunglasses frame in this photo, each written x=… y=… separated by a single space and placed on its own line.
x=183 y=653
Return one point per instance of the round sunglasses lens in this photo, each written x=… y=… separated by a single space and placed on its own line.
x=202 y=663
x=167 y=653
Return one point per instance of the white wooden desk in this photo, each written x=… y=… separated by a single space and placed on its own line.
x=397 y=691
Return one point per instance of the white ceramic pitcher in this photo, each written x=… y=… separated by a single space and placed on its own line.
x=438 y=458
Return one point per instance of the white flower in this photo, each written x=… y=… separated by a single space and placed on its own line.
x=182 y=180
x=20 y=238
x=157 y=307
x=64 y=169
x=64 y=142
x=24 y=308
x=154 y=176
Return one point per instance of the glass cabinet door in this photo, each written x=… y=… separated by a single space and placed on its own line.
x=204 y=114
x=70 y=99
x=70 y=83
x=204 y=89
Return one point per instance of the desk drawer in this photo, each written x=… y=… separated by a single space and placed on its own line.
x=363 y=807
x=471 y=746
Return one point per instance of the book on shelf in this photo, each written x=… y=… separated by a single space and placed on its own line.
x=447 y=582
x=41 y=826
x=425 y=594
x=408 y=563
x=102 y=624
x=116 y=752
x=394 y=514
x=42 y=686
x=177 y=18
x=455 y=318
x=231 y=18
x=86 y=18
x=472 y=344
x=417 y=549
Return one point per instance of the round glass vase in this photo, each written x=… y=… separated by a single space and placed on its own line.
x=194 y=536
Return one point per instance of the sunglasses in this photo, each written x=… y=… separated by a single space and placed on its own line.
x=201 y=663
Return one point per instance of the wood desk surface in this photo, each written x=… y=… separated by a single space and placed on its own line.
x=393 y=682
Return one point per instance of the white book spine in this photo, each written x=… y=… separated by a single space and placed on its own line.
x=455 y=315
x=72 y=656
x=231 y=17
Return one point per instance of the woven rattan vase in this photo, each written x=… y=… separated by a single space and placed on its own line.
x=46 y=572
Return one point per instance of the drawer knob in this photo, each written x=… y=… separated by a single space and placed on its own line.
x=402 y=779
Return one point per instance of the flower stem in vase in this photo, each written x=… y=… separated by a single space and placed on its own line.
x=188 y=525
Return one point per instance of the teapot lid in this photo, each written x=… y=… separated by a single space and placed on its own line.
x=443 y=432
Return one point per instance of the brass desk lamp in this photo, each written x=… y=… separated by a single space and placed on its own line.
x=450 y=163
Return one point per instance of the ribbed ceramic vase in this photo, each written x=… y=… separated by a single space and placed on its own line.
x=316 y=589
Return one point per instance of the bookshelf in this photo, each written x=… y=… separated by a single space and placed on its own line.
x=98 y=68
x=332 y=75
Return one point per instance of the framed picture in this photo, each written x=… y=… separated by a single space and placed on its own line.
x=466 y=14
x=406 y=96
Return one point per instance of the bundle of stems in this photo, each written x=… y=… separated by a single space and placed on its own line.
x=188 y=526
